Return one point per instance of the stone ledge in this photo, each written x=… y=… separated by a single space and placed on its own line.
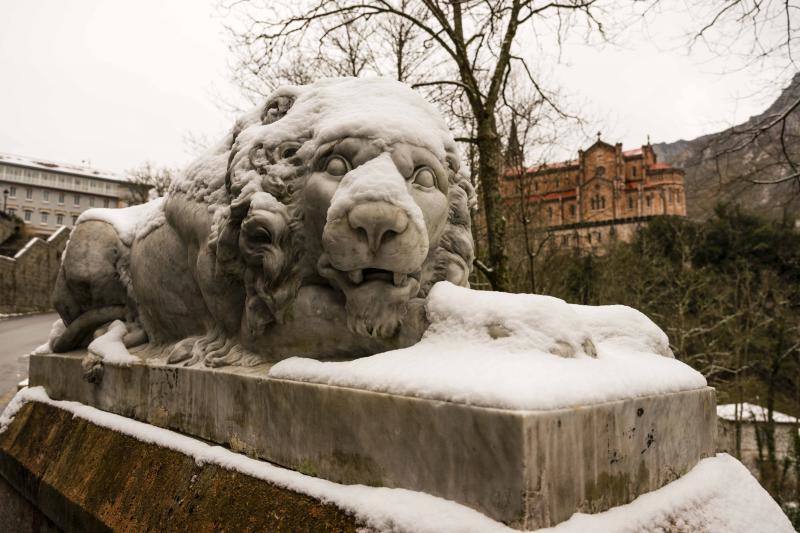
x=528 y=469
x=87 y=478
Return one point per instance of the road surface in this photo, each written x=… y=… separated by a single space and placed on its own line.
x=18 y=336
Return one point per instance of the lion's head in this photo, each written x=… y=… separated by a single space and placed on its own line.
x=364 y=176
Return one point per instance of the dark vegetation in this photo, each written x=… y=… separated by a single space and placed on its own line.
x=727 y=293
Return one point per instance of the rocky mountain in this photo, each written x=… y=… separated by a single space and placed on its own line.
x=726 y=166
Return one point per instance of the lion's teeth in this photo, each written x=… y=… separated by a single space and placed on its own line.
x=399 y=279
x=356 y=276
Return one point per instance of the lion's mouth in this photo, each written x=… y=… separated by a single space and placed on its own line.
x=364 y=275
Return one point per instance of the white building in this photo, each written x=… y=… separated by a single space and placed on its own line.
x=47 y=195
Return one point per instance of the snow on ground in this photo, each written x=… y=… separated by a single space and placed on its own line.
x=129 y=222
x=718 y=496
x=109 y=346
x=752 y=412
x=515 y=351
x=56 y=330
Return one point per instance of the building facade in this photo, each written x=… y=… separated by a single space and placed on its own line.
x=47 y=195
x=603 y=195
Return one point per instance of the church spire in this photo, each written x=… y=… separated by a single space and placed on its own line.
x=514 y=156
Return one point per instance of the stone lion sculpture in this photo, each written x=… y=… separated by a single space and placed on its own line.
x=315 y=227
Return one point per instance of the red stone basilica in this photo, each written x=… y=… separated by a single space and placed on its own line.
x=604 y=194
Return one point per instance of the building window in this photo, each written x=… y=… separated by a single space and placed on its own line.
x=12 y=192
x=45 y=196
x=29 y=194
x=572 y=209
x=91 y=201
x=549 y=213
x=633 y=172
x=105 y=202
x=76 y=199
x=74 y=219
x=12 y=212
x=77 y=181
x=602 y=202
x=60 y=219
x=28 y=215
x=44 y=218
x=678 y=197
x=648 y=199
x=630 y=202
x=61 y=198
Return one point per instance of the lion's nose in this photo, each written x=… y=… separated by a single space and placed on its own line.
x=378 y=222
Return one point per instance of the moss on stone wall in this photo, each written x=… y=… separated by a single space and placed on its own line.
x=89 y=478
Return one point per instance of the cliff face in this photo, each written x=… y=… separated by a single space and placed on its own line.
x=721 y=166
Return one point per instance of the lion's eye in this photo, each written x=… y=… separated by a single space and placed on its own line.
x=288 y=150
x=262 y=236
x=337 y=166
x=424 y=177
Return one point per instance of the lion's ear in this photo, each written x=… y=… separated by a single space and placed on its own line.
x=239 y=208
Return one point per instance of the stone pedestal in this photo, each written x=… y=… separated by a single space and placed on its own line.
x=528 y=469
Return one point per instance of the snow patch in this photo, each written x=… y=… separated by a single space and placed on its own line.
x=749 y=412
x=718 y=495
x=515 y=351
x=110 y=348
x=56 y=330
x=130 y=223
x=378 y=110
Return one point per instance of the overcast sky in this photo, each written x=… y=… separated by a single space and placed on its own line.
x=120 y=83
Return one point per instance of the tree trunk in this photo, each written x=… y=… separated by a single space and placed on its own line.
x=490 y=165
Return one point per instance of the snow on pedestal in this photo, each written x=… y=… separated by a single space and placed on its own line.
x=515 y=351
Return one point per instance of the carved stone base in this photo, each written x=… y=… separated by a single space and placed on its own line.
x=528 y=469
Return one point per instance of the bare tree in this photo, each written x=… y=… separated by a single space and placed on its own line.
x=147 y=181
x=761 y=36
x=473 y=53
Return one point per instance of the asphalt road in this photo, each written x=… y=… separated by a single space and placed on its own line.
x=18 y=336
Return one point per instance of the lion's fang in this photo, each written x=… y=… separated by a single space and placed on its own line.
x=399 y=279
x=356 y=276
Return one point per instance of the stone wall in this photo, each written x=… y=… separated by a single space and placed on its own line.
x=28 y=278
